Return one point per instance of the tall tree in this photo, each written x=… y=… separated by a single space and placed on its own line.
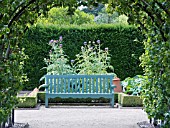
x=59 y=16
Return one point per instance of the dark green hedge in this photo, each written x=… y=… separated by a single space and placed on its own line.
x=119 y=39
x=27 y=102
x=129 y=101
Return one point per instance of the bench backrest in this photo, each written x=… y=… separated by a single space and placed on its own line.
x=79 y=83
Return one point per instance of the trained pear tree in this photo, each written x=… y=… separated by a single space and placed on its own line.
x=152 y=17
x=16 y=16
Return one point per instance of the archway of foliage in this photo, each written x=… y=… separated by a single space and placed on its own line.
x=15 y=18
x=151 y=16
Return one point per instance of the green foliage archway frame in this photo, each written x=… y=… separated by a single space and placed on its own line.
x=15 y=18
x=151 y=16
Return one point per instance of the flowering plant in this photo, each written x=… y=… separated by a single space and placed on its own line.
x=92 y=59
x=57 y=63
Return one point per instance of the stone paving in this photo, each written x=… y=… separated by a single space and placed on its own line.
x=81 y=117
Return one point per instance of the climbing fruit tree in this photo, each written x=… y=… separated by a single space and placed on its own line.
x=152 y=17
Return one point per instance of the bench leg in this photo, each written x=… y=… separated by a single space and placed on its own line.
x=46 y=101
x=112 y=102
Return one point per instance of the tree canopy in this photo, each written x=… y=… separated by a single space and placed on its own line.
x=60 y=17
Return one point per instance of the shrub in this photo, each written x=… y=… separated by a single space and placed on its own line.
x=28 y=100
x=153 y=18
x=129 y=100
x=133 y=86
x=110 y=18
x=60 y=16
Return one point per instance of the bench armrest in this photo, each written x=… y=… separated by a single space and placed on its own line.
x=44 y=86
x=113 y=86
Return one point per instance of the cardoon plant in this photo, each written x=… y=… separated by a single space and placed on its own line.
x=57 y=63
x=92 y=59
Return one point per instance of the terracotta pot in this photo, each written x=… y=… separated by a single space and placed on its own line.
x=116 y=82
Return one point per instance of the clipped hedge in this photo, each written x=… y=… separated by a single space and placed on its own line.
x=126 y=100
x=27 y=102
x=119 y=39
x=41 y=99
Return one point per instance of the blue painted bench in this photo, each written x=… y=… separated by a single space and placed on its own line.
x=79 y=86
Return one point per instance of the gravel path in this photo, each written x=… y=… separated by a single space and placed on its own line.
x=81 y=117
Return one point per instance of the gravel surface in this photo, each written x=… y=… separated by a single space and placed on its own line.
x=81 y=117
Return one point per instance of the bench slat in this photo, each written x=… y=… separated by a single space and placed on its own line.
x=96 y=85
x=64 y=85
x=86 y=85
x=89 y=89
x=50 y=80
x=93 y=85
x=82 y=85
x=100 y=83
x=58 y=85
x=103 y=87
x=68 y=85
x=54 y=85
x=106 y=85
x=75 y=85
x=79 y=86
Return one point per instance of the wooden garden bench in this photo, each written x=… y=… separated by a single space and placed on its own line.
x=79 y=86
